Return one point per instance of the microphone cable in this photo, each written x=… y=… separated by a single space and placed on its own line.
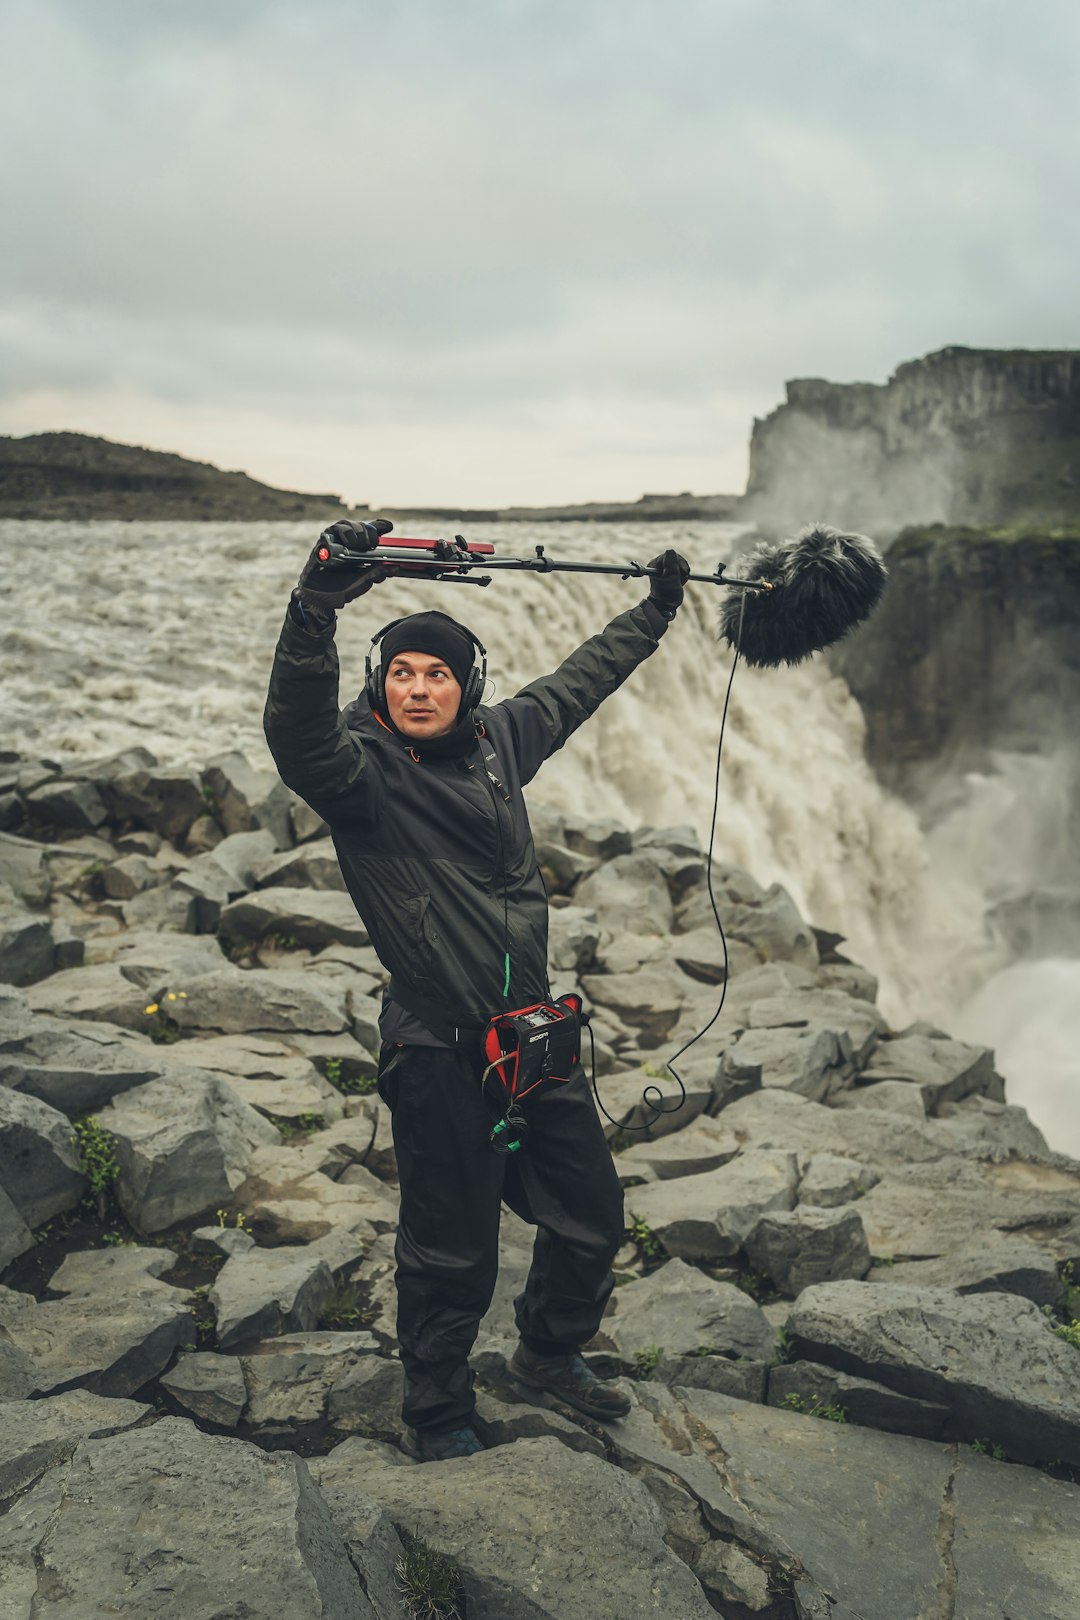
x=651 y=1092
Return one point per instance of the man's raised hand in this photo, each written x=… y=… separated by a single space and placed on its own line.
x=325 y=587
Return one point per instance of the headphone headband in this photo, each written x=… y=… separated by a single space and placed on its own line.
x=375 y=682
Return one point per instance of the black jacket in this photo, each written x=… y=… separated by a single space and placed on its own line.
x=439 y=861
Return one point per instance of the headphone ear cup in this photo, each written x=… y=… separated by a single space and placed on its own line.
x=373 y=686
x=474 y=690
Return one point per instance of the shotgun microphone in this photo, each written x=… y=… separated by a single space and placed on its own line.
x=823 y=583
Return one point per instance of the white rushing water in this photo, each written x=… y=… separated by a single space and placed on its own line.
x=163 y=634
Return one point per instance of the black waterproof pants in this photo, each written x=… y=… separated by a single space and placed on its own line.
x=562 y=1181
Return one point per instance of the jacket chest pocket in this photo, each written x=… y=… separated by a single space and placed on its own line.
x=420 y=927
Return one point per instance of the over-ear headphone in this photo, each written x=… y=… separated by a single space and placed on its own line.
x=471 y=692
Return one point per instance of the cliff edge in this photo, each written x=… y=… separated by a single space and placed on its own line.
x=76 y=475
x=963 y=436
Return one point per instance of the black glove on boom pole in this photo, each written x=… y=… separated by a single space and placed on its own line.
x=322 y=587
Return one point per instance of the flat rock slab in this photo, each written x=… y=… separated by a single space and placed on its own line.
x=179 y=1525
x=231 y=1002
x=209 y=1385
x=704 y=1144
x=830 y=1179
x=999 y=1263
x=678 y=1310
x=992 y=1359
x=118 y=1326
x=36 y=1435
x=308 y=917
x=78 y=1071
x=540 y=1532
x=777 y=1119
x=709 y=1217
x=804 y=1386
x=896 y=1528
x=923 y=1211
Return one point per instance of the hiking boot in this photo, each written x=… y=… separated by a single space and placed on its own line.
x=440 y=1445
x=568 y=1377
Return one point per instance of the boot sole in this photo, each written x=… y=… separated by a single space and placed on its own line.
x=530 y=1387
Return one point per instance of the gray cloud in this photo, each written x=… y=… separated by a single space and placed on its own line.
x=504 y=212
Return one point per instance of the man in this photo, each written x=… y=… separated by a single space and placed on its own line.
x=421 y=786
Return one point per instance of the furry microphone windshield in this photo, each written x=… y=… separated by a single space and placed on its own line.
x=823 y=583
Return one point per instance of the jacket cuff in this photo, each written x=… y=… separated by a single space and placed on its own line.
x=658 y=621
x=312 y=620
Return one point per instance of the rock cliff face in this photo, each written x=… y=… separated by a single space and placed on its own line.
x=962 y=436
x=973 y=649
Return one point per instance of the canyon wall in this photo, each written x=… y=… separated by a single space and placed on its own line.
x=964 y=436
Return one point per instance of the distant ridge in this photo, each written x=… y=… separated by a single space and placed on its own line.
x=75 y=475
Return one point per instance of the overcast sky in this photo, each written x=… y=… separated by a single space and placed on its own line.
x=478 y=251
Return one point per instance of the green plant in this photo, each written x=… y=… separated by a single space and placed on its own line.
x=814 y=1408
x=646 y=1361
x=1070 y=1332
x=117 y=1240
x=644 y=1238
x=989 y=1448
x=97 y=1157
x=756 y=1284
x=429 y=1581
x=784 y=1349
x=1070 y=1291
x=310 y=1122
x=239 y=1223
x=284 y=942
x=340 y=1307
x=654 y=1071
x=351 y=1085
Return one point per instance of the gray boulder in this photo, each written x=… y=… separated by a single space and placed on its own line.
x=117 y=1327
x=366 y=1398
x=573 y=935
x=587 y=1539
x=830 y=1179
x=39 y=1163
x=209 y=1385
x=165 y=799
x=245 y=799
x=856 y=1024
x=28 y=945
x=709 y=1217
x=161 y=1521
x=265 y=1292
x=598 y=837
x=183 y=1143
x=807 y=1062
x=311 y=866
x=312 y=918
x=921 y=1211
x=992 y=1359
x=15 y=1236
x=629 y=893
x=66 y=803
x=944 y=1070
x=289 y=1378
x=678 y=1310
x=805 y=1246
x=23 y=868
x=890 y=1096
x=648 y=1001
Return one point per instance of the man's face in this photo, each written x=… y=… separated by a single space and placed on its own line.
x=422 y=695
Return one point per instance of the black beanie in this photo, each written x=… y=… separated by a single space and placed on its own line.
x=436 y=634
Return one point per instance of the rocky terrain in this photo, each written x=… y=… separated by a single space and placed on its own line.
x=975 y=436
x=846 y=1308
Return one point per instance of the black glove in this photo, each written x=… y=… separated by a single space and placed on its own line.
x=666 y=587
x=324 y=588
